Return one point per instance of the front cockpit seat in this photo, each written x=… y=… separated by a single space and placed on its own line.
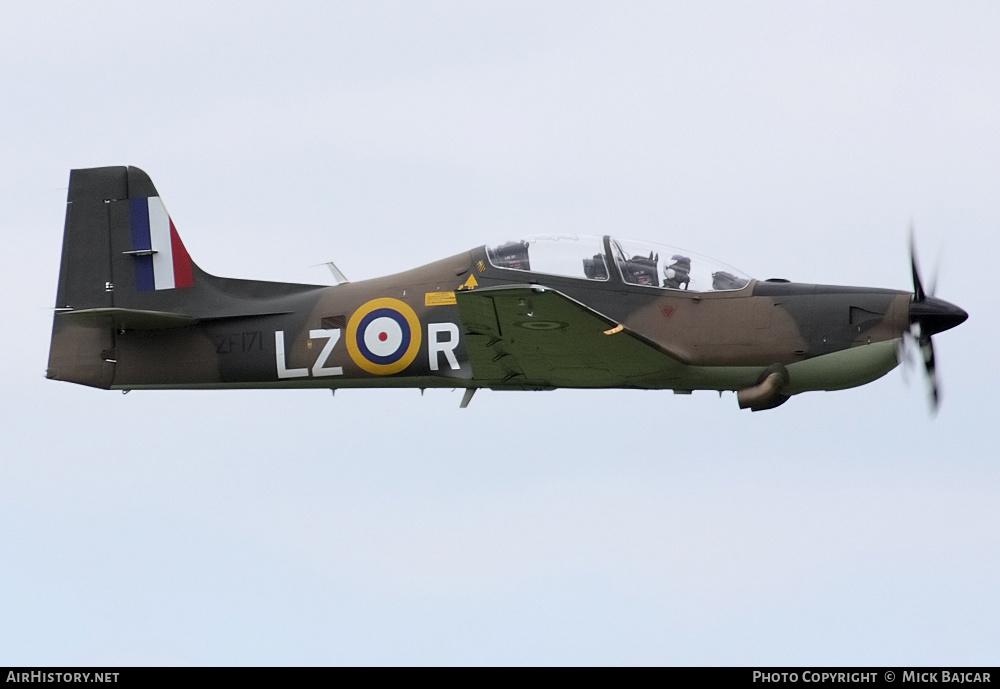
x=677 y=273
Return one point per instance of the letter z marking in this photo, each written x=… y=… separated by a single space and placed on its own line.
x=320 y=368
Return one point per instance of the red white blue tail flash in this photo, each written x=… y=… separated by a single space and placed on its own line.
x=161 y=261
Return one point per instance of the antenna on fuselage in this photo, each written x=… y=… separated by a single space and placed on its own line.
x=338 y=275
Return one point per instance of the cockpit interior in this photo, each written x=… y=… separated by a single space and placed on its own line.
x=637 y=263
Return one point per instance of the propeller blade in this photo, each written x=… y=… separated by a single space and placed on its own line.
x=910 y=347
x=927 y=349
x=903 y=356
x=928 y=316
x=918 y=288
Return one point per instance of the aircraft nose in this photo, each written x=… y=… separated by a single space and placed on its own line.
x=936 y=315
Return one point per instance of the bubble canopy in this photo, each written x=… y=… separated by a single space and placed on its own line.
x=637 y=263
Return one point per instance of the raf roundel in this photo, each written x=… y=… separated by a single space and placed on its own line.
x=383 y=336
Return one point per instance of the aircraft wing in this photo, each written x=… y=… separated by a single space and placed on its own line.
x=533 y=336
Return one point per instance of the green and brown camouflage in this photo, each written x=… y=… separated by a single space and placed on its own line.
x=133 y=311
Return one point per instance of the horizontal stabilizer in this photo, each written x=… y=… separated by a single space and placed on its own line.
x=127 y=319
x=138 y=319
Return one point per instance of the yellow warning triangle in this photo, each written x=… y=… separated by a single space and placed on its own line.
x=471 y=283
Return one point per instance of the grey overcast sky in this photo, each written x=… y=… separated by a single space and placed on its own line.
x=790 y=139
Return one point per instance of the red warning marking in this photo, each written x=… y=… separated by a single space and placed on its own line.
x=667 y=311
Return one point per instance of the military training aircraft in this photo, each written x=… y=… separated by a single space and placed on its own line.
x=134 y=311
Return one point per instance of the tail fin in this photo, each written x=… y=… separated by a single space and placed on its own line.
x=122 y=263
x=124 y=267
x=119 y=243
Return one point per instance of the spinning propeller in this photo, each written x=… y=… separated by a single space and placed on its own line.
x=929 y=316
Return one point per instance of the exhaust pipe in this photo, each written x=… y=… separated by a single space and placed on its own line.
x=766 y=394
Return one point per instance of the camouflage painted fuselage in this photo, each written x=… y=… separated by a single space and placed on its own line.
x=461 y=322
